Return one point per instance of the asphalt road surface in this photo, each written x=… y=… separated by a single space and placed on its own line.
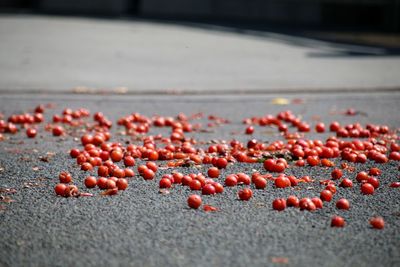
x=141 y=227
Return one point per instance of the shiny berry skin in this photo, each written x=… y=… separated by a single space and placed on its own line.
x=65 y=177
x=90 y=181
x=245 y=194
x=361 y=176
x=31 y=132
x=58 y=130
x=292 y=201
x=208 y=189
x=279 y=204
x=195 y=185
x=367 y=189
x=307 y=204
x=60 y=189
x=148 y=174
x=177 y=177
x=249 y=130
x=194 y=201
x=346 y=182
x=102 y=183
x=213 y=172
x=243 y=178
x=374 y=181
x=326 y=195
x=282 y=182
x=152 y=166
x=375 y=171
x=260 y=183
x=129 y=161
x=320 y=127
x=343 y=204
x=337 y=221
x=116 y=155
x=377 y=222
x=219 y=188
x=165 y=183
x=231 y=180
x=111 y=184
x=336 y=174
x=221 y=163
x=317 y=202
x=331 y=187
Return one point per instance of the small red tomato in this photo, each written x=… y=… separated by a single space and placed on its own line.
x=165 y=183
x=90 y=181
x=122 y=184
x=337 y=221
x=208 y=189
x=375 y=171
x=307 y=204
x=152 y=166
x=317 y=202
x=377 y=222
x=243 y=178
x=102 y=183
x=320 y=127
x=195 y=184
x=313 y=160
x=213 y=172
x=336 y=174
x=86 y=166
x=65 y=177
x=116 y=155
x=279 y=204
x=343 y=204
x=221 y=163
x=148 y=174
x=186 y=180
x=260 y=183
x=293 y=201
x=111 y=184
x=362 y=176
x=331 y=187
x=74 y=152
x=395 y=184
x=129 y=161
x=326 y=195
x=118 y=172
x=231 y=180
x=194 y=201
x=282 y=182
x=71 y=191
x=374 y=181
x=250 y=130
x=218 y=187
x=245 y=194
x=177 y=176
x=367 y=189
x=346 y=182
x=58 y=130
x=60 y=189
x=31 y=132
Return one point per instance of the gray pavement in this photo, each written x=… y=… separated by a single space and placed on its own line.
x=56 y=54
x=140 y=227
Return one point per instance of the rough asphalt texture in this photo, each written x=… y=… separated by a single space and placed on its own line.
x=140 y=227
x=57 y=53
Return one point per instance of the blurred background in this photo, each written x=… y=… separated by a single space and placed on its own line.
x=378 y=15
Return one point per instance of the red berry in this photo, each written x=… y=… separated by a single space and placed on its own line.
x=292 y=201
x=58 y=130
x=367 y=189
x=116 y=155
x=208 y=189
x=375 y=171
x=336 y=174
x=374 y=181
x=337 y=221
x=177 y=177
x=165 y=183
x=111 y=184
x=31 y=132
x=250 y=130
x=218 y=187
x=221 y=163
x=343 y=204
x=102 y=183
x=243 y=178
x=60 y=189
x=346 y=182
x=320 y=127
x=307 y=204
x=326 y=195
x=65 y=177
x=282 y=182
x=317 y=202
x=231 y=180
x=279 y=204
x=260 y=183
x=245 y=194
x=152 y=166
x=213 y=172
x=148 y=174
x=90 y=181
x=129 y=161
x=362 y=176
x=377 y=222
x=195 y=184
x=331 y=187
x=194 y=201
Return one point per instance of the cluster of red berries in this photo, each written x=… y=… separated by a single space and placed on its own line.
x=114 y=162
